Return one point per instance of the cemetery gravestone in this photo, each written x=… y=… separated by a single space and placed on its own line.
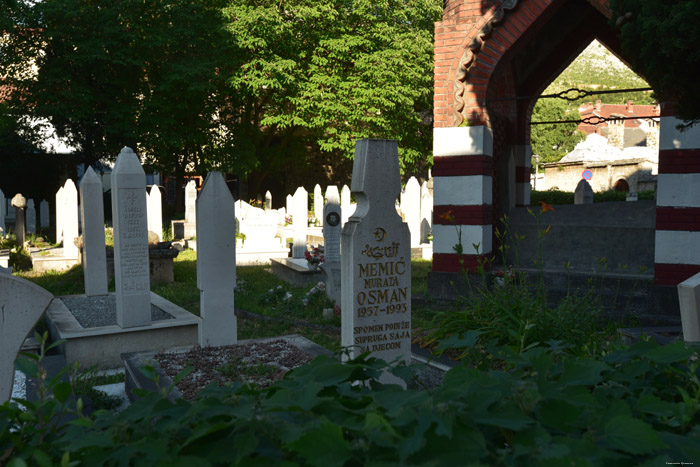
x=131 y=267
x=216 y=262
x=410 y=206
x=21 y=303
x=155 y=212
x=31 y=217
x=44 y=220
x=59 y=215
x=689 y=298
x=300 y=222
x=191 y=202
x=19 y=202
x=268 y=200
x=583 y=193
x=426 y=212
x=331 y=241
x=94 y=253
x=376 y=259
x=318 y=204
x=290 y=204
x=345 y=203
x=69 y=212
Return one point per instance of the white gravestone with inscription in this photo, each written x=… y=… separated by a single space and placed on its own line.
x=410 y=206
x=69 y=213
x=191 y=202
x=131 y=267
x=376 y=259
x=216 y=262
x=44 y=220
x=331 y=241
x=318 y=204
x=59 y=215
x=30 y=217
x=300 y=221
x=155 y=212
x=93 y=215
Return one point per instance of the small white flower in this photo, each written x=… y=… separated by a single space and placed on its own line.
x=287 y=296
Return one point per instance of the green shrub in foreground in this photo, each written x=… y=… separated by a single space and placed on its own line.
x=634 y=405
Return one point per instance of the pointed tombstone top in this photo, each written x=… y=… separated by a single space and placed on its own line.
x=30 y=203
x=128 y=163
x=375 y=174
x=90 y=178
x=155 y=191
x=69 y=187
x=412 y=184
x=332 y=195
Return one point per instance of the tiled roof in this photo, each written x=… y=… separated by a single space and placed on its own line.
x=608 y=110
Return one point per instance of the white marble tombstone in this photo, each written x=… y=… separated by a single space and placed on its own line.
x=69 y=213
x=318 y=204
x=689 y=298
x=268 y=200
x=426 y=212
x=59 y=215
x=191 y=202
x=44 y=216
x=216 y=262
x=93 y=216
x=410 y=206
x=300 y=221
x=583 y=193
x=131 y=266
x=2 y=213
x=23 y=303
x=289 y=204
x=345 y=203
x=155 y=212
x=376 y=259
x=331 y=242
x=30 y=217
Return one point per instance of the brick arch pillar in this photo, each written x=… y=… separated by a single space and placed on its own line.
x=677 y=245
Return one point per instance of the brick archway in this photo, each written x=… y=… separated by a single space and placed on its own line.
x=486 y=50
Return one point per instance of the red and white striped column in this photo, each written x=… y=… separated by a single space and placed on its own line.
x=463 y=191
x=677 y=254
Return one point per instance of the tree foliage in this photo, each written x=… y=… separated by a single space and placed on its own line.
x=660 y=38
x=554 y=140
x=227 y=84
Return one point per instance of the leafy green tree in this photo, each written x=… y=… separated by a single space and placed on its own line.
x=324 y=74
x=553 y=141
x=660 y=38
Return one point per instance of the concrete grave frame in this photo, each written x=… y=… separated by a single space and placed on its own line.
x=482 y=155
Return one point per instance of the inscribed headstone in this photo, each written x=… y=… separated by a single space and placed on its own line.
x=689 y=298
x=22 y=304
x=93 y=216
x=44 y=219
x=376 y=259
x=583 y=193
x=426 y=212
x=155 y=212
x=69 y=213
x=410 y=206
x=318 y=204
x=191 y=201
x=345 y=203
x=331 y=242
x=216 y=262
x=131 y=266
x=30 y=217
x=300 y=221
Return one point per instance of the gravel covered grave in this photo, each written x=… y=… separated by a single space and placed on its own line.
x=101 y=310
